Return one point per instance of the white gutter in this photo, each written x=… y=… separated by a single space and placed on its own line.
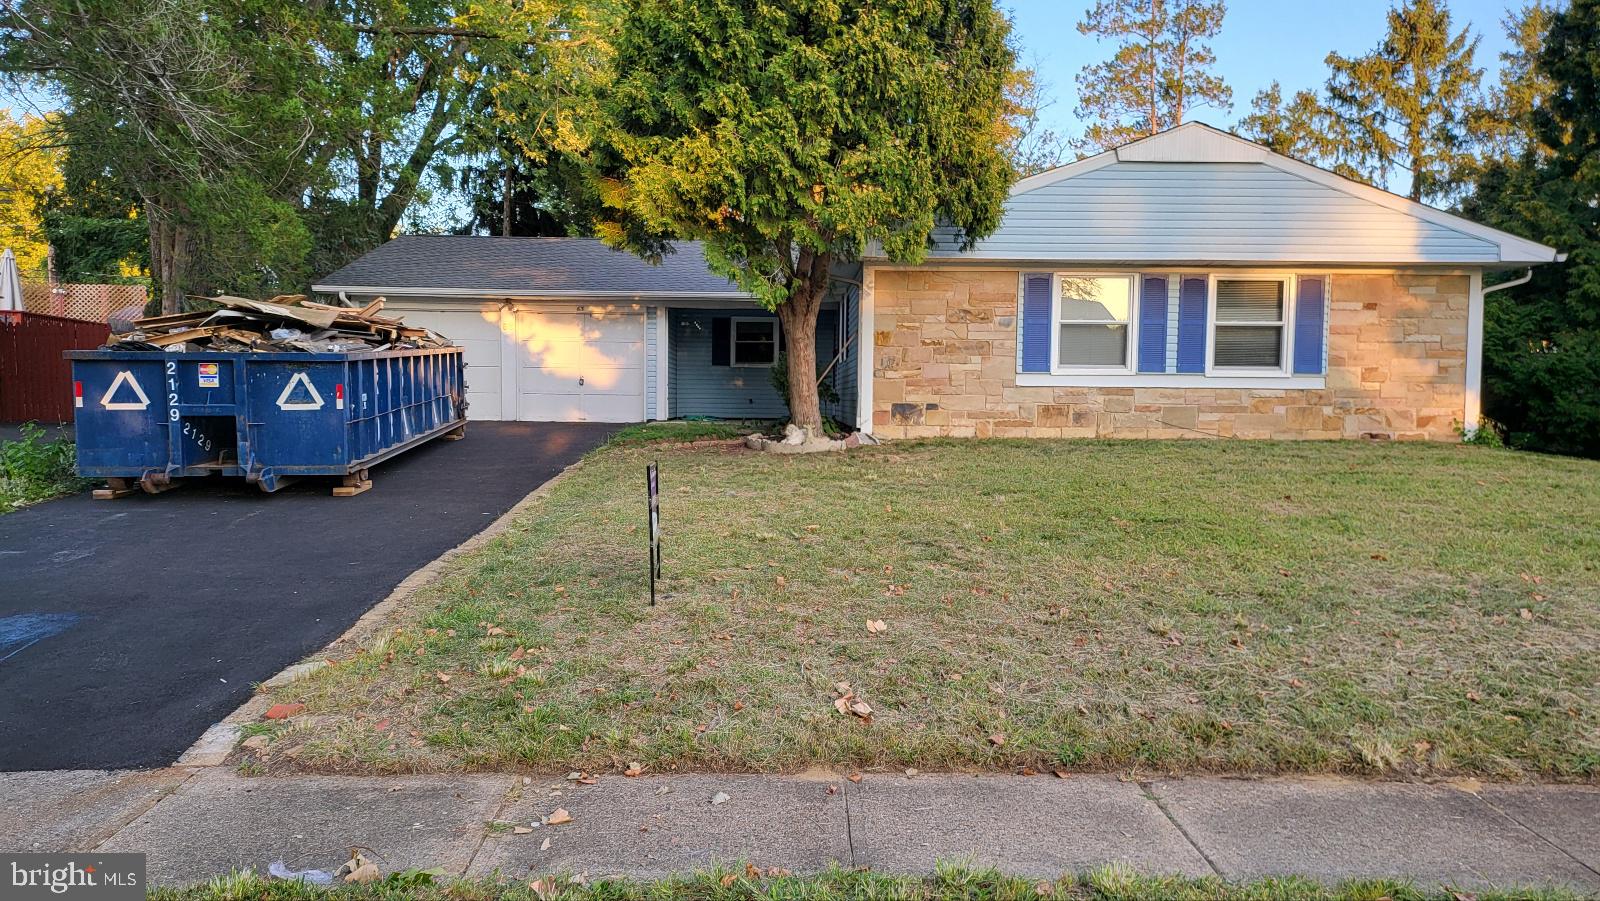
x=1516 y=281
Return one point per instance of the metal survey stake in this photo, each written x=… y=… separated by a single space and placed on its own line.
x=653 y=481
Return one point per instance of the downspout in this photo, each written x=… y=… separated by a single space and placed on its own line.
x=1511 y=284
x=1472 y=411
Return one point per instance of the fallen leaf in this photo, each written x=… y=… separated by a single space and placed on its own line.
x=854 y=777
x=1062 y=774
x=1296 y=683
x=719 y=798
x=728 y=880
x=558 y=817
x=367 y=872
x=842 y=705
x=283 y=711
x=633 y=770
x=860 y=708
x=381 y=725
x=738 y=705
x=519 y=653
x=1525 y=613
x=521 y=830
x=1044 y=890
x=998 y=739
x=1474 y=696
x=874 y=626
x=545 y=845
x=1380 y=557
x=750 y=871
x=442 y=677
x=782 y=582
x=543 y=889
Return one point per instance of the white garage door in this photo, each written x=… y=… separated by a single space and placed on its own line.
x=477 y=330
x=585 y=366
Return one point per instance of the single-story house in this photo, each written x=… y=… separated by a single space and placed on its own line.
x=1188 y=284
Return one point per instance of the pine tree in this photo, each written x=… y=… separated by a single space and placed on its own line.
x=1405 y=103
x=1503 y=123
x=1305 y=130
x=1542 y=339
x=1160 y=72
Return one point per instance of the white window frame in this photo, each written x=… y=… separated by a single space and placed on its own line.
x=733 y=340
x=1286 y=355
x=1130 y=349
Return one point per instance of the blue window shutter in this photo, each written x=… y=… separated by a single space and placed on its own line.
x=1153 y=324
x=1035 y=324
x=1310 y=323
x=1192 y=325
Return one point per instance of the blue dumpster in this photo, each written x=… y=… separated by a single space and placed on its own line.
x=153 y=418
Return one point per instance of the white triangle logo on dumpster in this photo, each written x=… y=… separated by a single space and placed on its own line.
x=125 y=377
x=300 y=378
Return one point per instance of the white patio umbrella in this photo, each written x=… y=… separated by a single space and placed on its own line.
x=10 y=282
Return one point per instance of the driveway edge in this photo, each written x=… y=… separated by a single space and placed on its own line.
x=217 y=742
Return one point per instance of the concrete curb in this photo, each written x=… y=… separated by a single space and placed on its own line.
x=217 y=742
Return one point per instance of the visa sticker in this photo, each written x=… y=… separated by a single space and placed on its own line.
x=209 y=375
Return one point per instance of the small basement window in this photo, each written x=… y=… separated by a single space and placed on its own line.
x=1093 y=316
x=755 y=342
x=1249 y=328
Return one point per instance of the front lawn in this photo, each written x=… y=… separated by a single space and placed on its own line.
x=1243 y=606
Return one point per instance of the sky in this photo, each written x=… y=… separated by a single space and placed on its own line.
x=1260 y=41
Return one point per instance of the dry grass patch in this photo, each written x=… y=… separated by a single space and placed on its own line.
x=1215 y=606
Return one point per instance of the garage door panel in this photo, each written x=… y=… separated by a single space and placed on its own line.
x=550 y=408
x=558 y=349
x=612 y=407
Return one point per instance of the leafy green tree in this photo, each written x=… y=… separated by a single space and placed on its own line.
x=1161 y=70
x=30 y=175
x=177 y=97
x=1404 y=104
x=789 y=137
x=1542 y=339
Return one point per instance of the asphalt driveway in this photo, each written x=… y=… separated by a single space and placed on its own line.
x=128 y=627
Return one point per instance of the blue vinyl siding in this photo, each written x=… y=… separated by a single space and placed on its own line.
x=844 y=375
x=1035 y=323
x=1153 y=324
x=1310 y=324
x=698 y=388
x=1192 y=300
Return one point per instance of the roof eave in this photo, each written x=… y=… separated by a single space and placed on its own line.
x=492 y=294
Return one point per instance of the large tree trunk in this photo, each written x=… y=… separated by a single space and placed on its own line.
x=799 y=318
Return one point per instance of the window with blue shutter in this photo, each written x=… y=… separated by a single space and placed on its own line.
x=1192 y=325
x=1153 y=324
x=1034 y=326
x=1310 y=324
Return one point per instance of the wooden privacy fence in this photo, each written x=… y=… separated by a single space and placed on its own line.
x=91 y=303
x=35 y=382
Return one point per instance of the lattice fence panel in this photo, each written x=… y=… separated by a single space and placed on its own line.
x=91 y=303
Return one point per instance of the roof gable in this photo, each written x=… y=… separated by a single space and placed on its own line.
x=1196 y=195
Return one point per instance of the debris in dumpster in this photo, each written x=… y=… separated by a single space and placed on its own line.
x=288 y=323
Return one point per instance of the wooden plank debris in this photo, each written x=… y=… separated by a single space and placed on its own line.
x=288 y=323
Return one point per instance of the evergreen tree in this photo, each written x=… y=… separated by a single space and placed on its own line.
x=788 y=137
x=1542 y=339
x=1160 y=72
x=1404 y=104
x=1304 y=130
x=1503 y=123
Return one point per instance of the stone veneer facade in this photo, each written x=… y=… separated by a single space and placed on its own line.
x=945 y=364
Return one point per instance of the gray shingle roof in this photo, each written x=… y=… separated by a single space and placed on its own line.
x=526 y=266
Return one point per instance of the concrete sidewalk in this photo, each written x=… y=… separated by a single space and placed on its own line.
x=196 y=823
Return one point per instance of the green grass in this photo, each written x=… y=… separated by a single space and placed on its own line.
x=1402 y=609
x=33 y=469
x=1112 y=883
x=683 y=431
